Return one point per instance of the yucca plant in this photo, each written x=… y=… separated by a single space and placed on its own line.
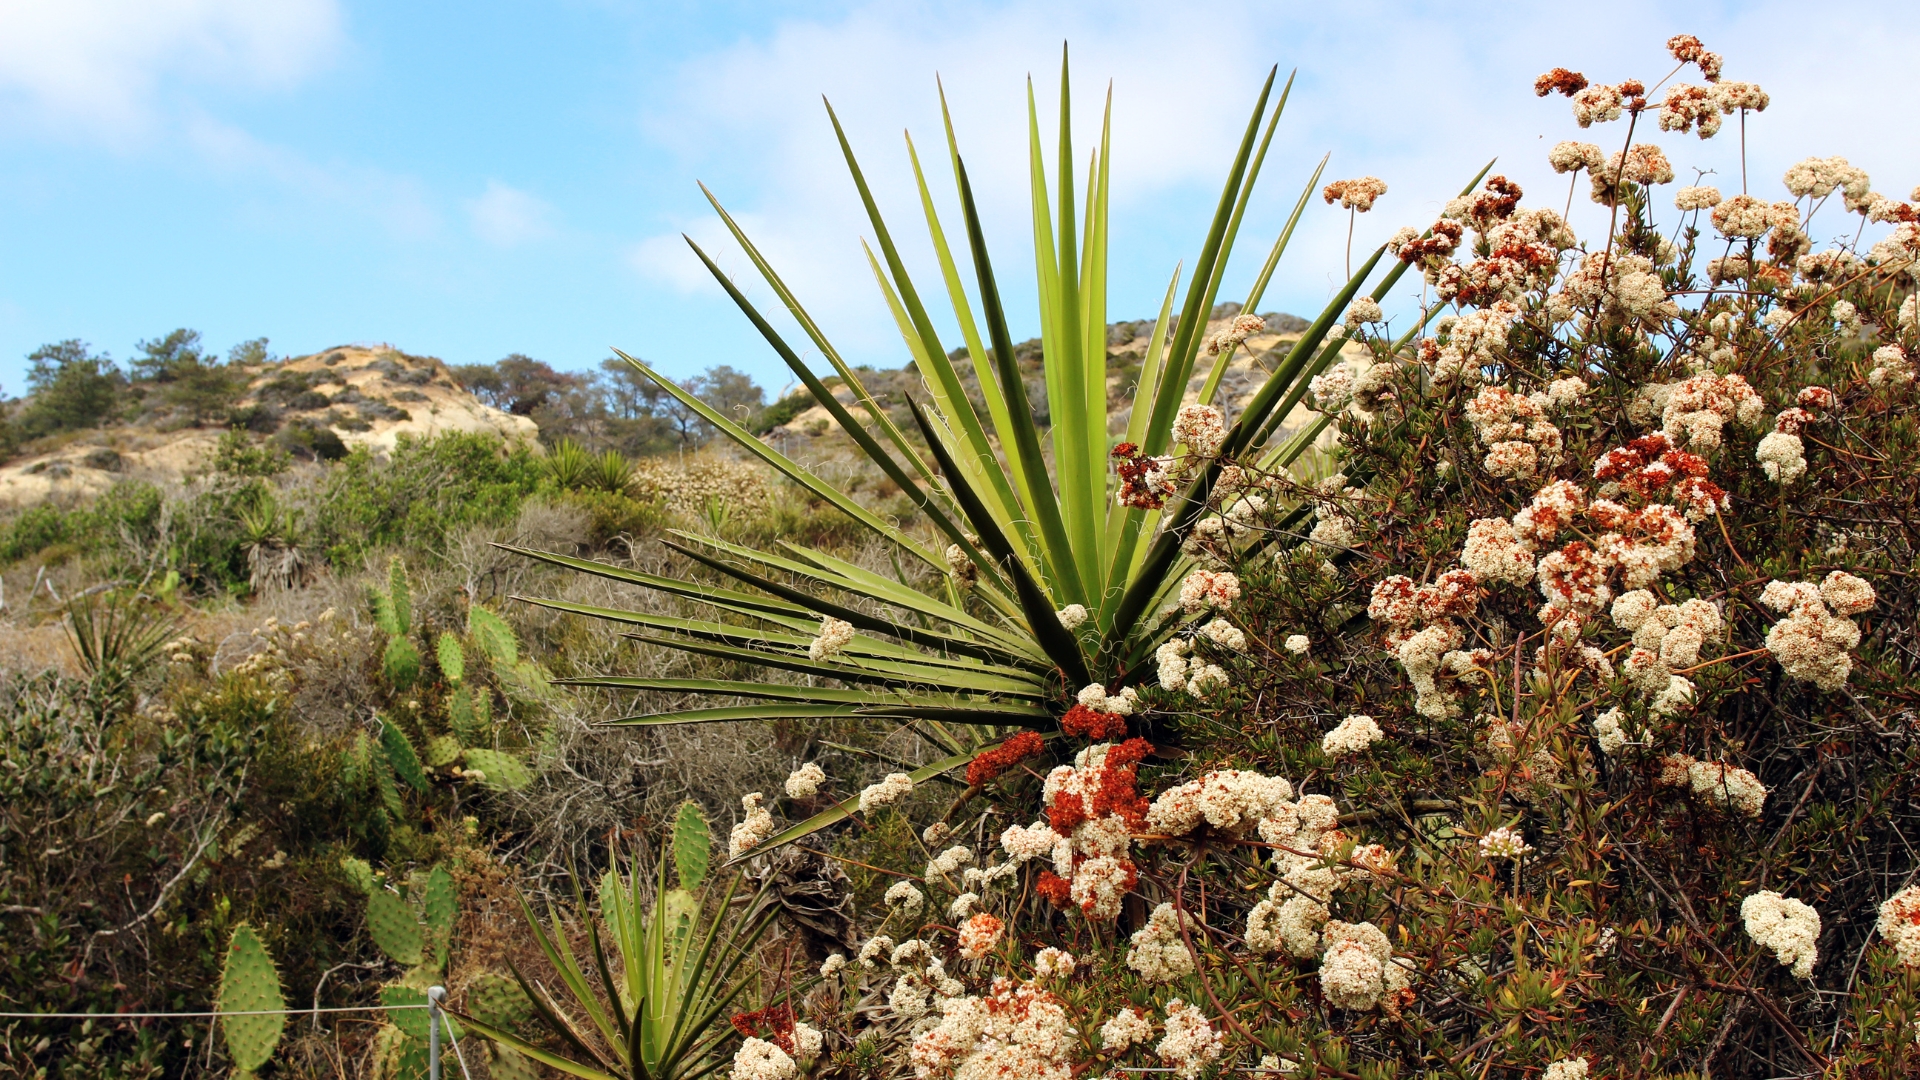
x=1026 y=532
x=656 y=1008
x=612 y=472
x=569 y=465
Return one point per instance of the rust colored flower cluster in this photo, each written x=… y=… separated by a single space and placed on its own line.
x=1650 y=466
x=1688 y=50
x=1093 y=724
x=776 y=1020
x=1116 y=795
x=1057 y=890
x=1560 y=81
x=1445 y=239
x=992 y=763
x=1144 y=482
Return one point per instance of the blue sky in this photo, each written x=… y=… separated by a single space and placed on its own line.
x=473 y=179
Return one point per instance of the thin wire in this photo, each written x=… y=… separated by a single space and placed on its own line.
x=459 y=1054
x=170 y=1015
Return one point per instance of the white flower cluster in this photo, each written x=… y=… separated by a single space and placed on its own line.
x=753 y=830
x=1571 y=157
x=1700 y=197
x=1520 y=441
x=1178 y=670
x=1362 y=311
x=1574 y=1068
x=1727 y=786
x=1298 y=904
x=1231 y=800
x=1201 y=427
x=1745 y=217
x=1094 y=696
x=1892 y=368
x=1298 y=644
x=1204 y=589
x=1159 y=952
x=1665 y=636
x=1190 y=1044
x=1351 y=736
x=1813 y=642
x=1014 y=1030
x=1226 y=635
x=1504 y=843
x=1052 y=963
x=804 y=782
x=1124 y=1030
x=758 y=1059
x=834 y=635
x=1819 y=177
x=893 y=789
x=1900 y=924
x=1788 y=927
x=904 y=898
x=1699 y=407
x=1358 y=971
x=1433 y=652
x=1236 y=333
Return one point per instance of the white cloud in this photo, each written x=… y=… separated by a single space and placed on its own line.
x=508 y=217
x=1421 y=96
x=101 y=67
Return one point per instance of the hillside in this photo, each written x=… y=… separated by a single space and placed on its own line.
x=322 y=404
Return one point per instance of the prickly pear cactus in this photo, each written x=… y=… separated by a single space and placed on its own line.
x=508 y=1064
x=250 y=983
x=498 y=770
x=453 y=662
x=401 y=662
x=497 y=1001
x=394 y=929
x=360 y=872
x=440 y=903
x=443 y=750
x=493 y=637
x=400 y=755
x=400 y=596
x=692 y=845
x=469 y=712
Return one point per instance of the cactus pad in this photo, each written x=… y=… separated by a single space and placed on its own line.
x=391 y=923
x=401 y=662
x=440 y=903
x=453 y=662
x=250 y=983
x=501 y=771
x=508 y=1064
x=400 y=755
x=498 y=1001
x=467 y=712
x=400 y=596
x=442 y=750
x=360 y=872
x=493 y=636
x=692 y=843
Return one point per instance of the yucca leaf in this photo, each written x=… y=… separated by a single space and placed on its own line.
x=1042 y=619
x=1058 y=559
x=793 y=470
x=1193 y=314
x=985 y=713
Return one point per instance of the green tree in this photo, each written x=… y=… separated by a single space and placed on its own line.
x=186 y=376
x=251 y=353
x=71 y=388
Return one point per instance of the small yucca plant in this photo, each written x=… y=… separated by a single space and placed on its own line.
x=1054 y=566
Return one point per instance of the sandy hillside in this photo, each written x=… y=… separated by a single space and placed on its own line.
x=367 y=395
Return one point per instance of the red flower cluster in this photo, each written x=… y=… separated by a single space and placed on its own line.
x=1057 y=890
x=1116 y=794
x=1559 y=80
x=1441 y=245
x=1093 y=724
x=1651 y=465
x=776 y=1020
x=1143 y=479
x=1008 y=754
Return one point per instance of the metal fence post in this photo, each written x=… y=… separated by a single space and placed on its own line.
x=435 y=995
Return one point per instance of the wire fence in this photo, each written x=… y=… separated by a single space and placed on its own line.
x=437 y=1021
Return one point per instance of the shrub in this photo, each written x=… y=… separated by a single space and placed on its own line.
x=418 y=494
x=71 y=388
